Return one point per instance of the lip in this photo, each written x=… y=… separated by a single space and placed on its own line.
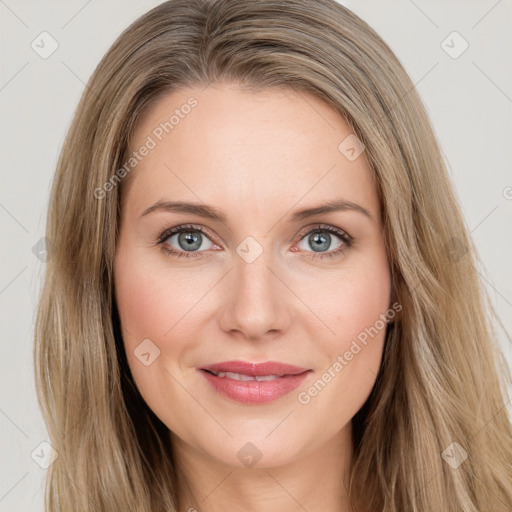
x=255 y=392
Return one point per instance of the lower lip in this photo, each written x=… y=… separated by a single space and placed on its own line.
x=253 y=391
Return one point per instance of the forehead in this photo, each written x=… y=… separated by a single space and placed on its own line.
x=227 y=146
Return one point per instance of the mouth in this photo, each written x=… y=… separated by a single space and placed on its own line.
x=254 y=383
x=243 y=377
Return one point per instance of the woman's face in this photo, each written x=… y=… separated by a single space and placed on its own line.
x=257 y=283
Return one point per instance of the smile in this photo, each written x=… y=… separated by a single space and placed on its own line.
x=254 y=383
x=241 y=376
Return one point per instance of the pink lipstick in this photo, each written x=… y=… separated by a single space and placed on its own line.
x=254 y=383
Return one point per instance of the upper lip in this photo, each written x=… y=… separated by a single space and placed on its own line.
x=256 y=369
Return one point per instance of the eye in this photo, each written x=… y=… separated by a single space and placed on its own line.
x=321 y=239
x=191 y=241
x=187 y=239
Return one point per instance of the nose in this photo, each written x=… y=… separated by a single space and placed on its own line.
x=256 y=301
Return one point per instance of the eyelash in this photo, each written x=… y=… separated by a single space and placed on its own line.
x=321 y=228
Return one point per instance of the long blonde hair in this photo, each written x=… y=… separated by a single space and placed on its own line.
x=443 y=379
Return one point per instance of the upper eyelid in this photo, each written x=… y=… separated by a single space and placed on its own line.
x=320 y=226
x=183 y=227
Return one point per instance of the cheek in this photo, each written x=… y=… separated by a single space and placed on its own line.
x=362 y=322
x=160 y=305
x=152 y=300
x=153 y=320
x=353 y=305
x=352 y=299
x=144 y=314
x=361 y=303
x=141 y=308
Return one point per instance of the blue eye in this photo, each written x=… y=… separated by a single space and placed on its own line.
x=191 y=241
x=189 y=238
x=321 y=238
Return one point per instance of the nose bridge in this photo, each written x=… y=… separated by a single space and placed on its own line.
x=256 y=300
x=252 y=270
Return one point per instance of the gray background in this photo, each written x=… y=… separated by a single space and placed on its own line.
x=469 y=99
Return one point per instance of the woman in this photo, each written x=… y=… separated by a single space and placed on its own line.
x=263 y=293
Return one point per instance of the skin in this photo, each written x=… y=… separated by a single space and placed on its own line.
x=257 y=157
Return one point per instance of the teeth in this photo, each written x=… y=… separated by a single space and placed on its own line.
x=236 y=376
x=267 y=377
x=242 y=377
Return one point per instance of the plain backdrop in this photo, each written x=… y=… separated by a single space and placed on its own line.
x=467 y=92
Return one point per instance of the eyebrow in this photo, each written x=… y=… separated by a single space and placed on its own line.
x=209 y=212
